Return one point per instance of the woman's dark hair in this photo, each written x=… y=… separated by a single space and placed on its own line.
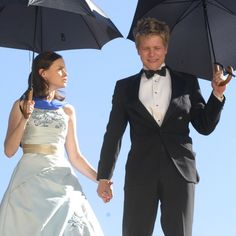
x=40 y=87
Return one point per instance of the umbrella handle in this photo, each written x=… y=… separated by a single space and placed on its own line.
x=228 y=70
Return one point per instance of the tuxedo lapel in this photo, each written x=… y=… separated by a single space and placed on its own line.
x=134 y=101
x=176 y=95
x=144 y=112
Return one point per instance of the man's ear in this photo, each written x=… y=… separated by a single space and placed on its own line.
x=138 y=50
x=166 y=49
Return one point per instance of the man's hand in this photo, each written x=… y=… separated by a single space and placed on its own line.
x=105 y=190
x=218 y=89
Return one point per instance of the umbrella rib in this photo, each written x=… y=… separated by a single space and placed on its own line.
x=169 y=2
x=208 y=29
x=222 y=7
x=179 y=1
x=184 y=15
x=40 y=17
x=91 y=31
x=35 y=29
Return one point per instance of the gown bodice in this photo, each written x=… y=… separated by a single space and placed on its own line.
x=46 y=127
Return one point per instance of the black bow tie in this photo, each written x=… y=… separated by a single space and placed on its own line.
x=150 y=73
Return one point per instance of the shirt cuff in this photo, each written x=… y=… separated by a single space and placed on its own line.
x=220 y=98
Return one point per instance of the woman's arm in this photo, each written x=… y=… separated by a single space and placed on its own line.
x=72 y=147
x=15 y=130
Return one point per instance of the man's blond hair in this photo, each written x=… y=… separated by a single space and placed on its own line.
x=151 y=26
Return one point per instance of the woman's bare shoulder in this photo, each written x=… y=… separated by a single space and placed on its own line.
x=69 y=109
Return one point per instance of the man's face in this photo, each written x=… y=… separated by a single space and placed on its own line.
x=152 y=51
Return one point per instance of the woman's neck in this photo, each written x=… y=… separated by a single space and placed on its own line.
x=51 y=96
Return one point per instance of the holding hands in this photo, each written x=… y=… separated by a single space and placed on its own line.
x=105 y=190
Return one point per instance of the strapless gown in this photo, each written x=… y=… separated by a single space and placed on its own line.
x=44 y=197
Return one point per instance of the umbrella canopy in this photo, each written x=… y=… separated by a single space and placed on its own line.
x=203 y=32
x=43 y=25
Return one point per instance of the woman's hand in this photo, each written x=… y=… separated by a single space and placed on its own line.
x=28 y=107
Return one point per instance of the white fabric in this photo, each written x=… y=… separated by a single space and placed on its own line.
x=44 y=197
x=155 y=95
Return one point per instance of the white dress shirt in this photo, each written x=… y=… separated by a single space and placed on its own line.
x=155 y=95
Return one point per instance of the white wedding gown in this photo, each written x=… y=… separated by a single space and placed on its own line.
x=44 y=197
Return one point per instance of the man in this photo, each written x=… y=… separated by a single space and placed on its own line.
x=161 y=163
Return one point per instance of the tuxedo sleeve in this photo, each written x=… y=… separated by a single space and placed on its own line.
x=204 y=116
x=114 y=132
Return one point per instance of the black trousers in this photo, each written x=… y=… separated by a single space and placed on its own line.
x=169 y=190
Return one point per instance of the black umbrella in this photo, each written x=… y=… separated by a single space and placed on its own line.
x=42 y=25
x=203 y=33
x=49 y=25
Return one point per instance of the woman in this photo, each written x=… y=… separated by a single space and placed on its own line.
x=44 y=196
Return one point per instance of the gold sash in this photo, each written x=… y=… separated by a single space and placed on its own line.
x=40 y=148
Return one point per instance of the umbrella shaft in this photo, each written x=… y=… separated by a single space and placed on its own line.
x=204 y=5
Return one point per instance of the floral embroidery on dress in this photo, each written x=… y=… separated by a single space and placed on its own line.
x=46 y=119
x=76 y=222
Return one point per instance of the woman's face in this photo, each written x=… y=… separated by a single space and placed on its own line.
x=55 y=75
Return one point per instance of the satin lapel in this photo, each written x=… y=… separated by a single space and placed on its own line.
x=135 y=103
x=176 y=98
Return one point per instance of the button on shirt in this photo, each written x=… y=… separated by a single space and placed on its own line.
x=155 y=95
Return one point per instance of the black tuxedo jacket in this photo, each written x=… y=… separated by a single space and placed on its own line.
x=148 y=139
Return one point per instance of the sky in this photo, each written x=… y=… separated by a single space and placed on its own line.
x=92 y=77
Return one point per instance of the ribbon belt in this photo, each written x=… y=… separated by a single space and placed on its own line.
x=40 y=148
